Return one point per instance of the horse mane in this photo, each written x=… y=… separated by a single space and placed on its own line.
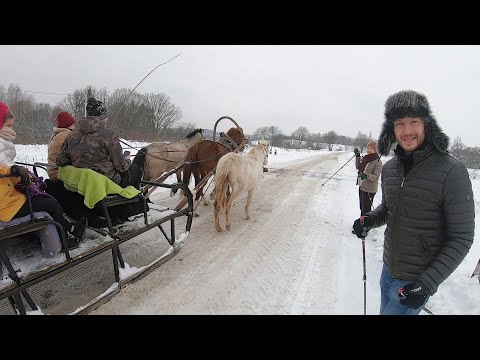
x=193 y=133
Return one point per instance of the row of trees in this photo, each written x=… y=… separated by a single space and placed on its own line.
x=470 y=156
x=143 y=117
x=153 y=117
x=302 y=138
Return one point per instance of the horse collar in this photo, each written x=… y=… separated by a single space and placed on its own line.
x=228 y=143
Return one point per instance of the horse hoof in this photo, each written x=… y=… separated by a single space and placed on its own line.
x=206 y=203
x=220 y=229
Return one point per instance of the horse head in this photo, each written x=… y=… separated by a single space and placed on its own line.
x=236 y=134
x=265 y=160
x=198 y=133
x=260 y=153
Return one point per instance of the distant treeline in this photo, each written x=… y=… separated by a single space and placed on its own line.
x=469 y=156
x=142 y=117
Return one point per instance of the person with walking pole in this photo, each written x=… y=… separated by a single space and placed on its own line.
x=427 y=205
x=369 y=170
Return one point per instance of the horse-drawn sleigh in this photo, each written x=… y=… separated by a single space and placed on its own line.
x=45 y=279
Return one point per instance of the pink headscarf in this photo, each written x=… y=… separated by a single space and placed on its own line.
x=4 y=111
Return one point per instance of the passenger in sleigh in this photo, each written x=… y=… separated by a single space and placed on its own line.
x=13 y=202
x=92 y=145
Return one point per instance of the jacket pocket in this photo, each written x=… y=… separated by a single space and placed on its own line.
x=424 y=250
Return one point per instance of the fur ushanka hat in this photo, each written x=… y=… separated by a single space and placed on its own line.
x=409 y=103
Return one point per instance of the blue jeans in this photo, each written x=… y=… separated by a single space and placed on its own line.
x=390 y=302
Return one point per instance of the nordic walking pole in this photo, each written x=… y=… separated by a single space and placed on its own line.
x=364 y=233
x=338 y=170
x=364 y=279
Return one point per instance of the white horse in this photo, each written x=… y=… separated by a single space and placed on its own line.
x=236 y=174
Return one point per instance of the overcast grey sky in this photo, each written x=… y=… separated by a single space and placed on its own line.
x=340 y=88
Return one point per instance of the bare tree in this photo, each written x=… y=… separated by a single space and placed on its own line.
x=74 y=103
x=457 y=147
x=301 y=134
x=166 y=114
x=330 y=139
x=361 y=141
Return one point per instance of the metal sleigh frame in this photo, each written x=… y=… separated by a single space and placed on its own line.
x=19 y=288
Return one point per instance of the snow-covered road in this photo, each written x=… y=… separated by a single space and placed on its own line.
x=285 y=260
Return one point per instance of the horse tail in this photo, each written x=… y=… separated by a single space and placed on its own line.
x=190 y=156
x=139 y=159
x=221 y=186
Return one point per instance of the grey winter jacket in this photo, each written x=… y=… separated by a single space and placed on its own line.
x=373 y=169
x=430 y=217
x=94 y=146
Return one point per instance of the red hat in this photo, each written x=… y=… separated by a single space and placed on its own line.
x=64 y=120
x=4 y=111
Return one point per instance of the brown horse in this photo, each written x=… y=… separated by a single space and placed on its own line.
x=203 y=156
x=158 y=158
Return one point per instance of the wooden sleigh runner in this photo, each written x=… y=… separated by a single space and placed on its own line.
x=31 y=274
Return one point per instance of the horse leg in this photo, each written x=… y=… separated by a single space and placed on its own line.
x=205 y=200
x=248 y=207
x=216 y=213
x=179 y=179
x=212 y=194
x=228 y=208
x=198 y=178
x=228 y=215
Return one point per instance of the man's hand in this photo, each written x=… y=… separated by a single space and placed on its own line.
x=362 y=226
x=413 y=295
x=22 y=172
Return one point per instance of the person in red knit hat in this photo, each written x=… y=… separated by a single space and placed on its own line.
x=65 y=123
x=7 y=135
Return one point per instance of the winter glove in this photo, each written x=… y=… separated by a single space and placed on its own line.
x=362 y=175
x=413 y=295
x=22 y=172
x=357 y=152
x=362 y=226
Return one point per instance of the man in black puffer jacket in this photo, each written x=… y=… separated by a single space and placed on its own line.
x=427 y=204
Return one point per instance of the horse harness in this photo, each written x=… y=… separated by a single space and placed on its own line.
x=227 y=141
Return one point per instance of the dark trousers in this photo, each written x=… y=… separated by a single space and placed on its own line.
x=366 y=201
x=131 y=177
x=49 y=205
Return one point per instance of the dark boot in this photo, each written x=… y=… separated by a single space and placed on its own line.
x=79 y=228
x=75 y=236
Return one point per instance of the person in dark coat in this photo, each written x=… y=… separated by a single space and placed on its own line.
x=427 y=205
x=94 y=146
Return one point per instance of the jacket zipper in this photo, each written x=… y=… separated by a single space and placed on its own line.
x=394 y=242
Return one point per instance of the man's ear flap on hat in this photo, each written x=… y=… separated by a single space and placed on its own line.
x=386 y=139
